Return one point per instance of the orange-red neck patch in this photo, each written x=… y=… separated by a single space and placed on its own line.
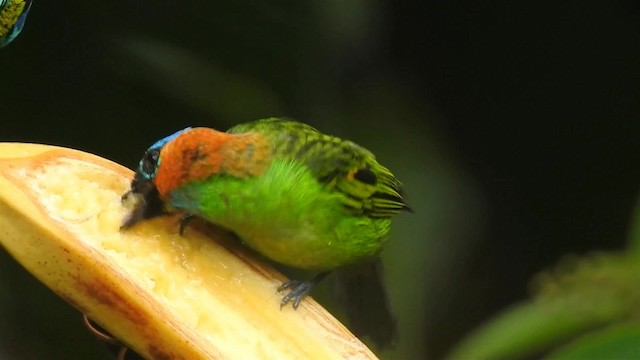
x=200 y=153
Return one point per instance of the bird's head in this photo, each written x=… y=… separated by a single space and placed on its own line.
x=192 y=154
x=143 y=188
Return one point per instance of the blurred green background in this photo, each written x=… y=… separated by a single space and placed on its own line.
x=514 y=127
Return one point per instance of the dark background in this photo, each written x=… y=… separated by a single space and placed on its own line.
x=514 y=127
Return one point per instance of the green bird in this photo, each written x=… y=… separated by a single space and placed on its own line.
x=297 y=196
x=12 y=17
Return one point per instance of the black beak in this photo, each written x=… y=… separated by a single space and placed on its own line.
x=148 y=203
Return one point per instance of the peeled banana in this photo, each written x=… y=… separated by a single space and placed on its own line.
x=167 y=296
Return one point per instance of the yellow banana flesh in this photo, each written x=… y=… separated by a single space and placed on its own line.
x=167 y=296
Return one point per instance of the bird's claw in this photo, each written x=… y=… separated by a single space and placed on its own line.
x=298 y=291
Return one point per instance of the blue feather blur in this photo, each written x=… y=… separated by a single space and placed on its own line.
x=12 y=16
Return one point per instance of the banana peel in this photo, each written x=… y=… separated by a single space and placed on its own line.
x=166 y=296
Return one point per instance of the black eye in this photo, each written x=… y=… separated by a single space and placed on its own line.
x=149 y=163
x=366 y=176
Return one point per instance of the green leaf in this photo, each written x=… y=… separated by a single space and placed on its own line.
x=578 y=297
x=618 y=342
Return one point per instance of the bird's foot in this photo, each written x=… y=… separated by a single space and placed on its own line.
x=299 y=289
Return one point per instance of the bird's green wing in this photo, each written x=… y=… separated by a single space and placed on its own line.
x=12 y=16
x=369 y=188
